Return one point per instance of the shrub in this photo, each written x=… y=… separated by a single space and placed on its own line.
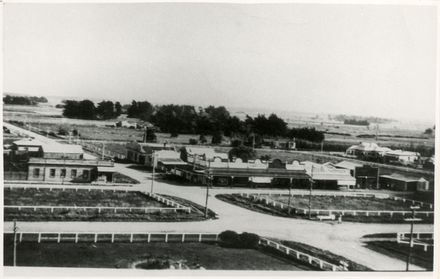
x=229 y=238
x=174 y=134
x=193 y=141
x=245 y=240
x=249 y=240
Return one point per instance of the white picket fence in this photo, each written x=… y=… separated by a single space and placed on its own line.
x=414 y=202
x=390 y=213
x=100 y=209
x=114 y=237
x=403 y=237
x=301 y=256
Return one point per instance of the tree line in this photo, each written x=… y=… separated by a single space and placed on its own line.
x=23 y=100
x=187 y=119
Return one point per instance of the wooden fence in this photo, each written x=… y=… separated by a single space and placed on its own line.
x=301 y=256
x=343 y=212
x=403 y=237
x=112 y=237
x=99 y=209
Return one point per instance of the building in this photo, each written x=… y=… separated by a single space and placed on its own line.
x=402 y=157
x=166 y=160
x=195 y=154
x=68 y=163
x=326 y=176
x=348 y=166
x=142 y=153
x=400 y=182
x=251 y=174
x=367 y=151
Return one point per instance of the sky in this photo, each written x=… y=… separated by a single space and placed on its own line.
x=375 y=60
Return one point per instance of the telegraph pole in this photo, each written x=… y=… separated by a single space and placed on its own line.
x=152 y=176
x=15 y=243
x=310 y=195
x=290 y=196
x=412 y=220
x=208 y=183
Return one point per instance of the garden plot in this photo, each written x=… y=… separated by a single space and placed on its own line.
x=367 y=208
x=45 y=204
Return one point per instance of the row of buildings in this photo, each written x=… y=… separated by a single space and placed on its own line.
x=373 y=152
x=196 y=164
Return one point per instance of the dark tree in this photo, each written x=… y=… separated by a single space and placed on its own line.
x=217 y=137
x=118 y=109
x=87 y=109
x=105 y=110
x=243 y=152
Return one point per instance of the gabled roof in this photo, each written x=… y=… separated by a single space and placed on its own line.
x=28 y=142
x=400 y=177
x=402 y=153
x=347 y=165
x=62 y=148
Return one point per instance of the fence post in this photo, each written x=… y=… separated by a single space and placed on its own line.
x=131 y=237
x=39 y=237
x=76 y=238
x=200 y=237
x=149 y=237
x=166 y=237
x=183 y=237
x=21 y=236
x=96 y=237
x=59 y=237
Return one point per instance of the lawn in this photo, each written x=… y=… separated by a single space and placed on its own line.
x=70 y=197
x=347 y=203
x=125 y=255
x=94 y=198
x=325 y=202
x=400 y=251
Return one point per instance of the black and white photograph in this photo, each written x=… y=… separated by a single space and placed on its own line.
x=197 y=138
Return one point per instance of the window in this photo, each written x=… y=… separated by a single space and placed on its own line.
x=52 y=172
x=36 y=172
x=63 y=173
x=86 y=174
x=73 y=173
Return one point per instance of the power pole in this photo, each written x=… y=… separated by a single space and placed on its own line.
x=15 y=243
x=152 y=176
x=290 y=196
x=208 y=183
x=310 y=195
x=103 y=150
x=412 y=220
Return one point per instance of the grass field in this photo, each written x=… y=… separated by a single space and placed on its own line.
x=70 y=197
x=400 y=251
x=323 y=202
x=123 y=255
x=347 y=203
x=94 y=198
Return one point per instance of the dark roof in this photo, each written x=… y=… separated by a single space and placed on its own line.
x=246 y=172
